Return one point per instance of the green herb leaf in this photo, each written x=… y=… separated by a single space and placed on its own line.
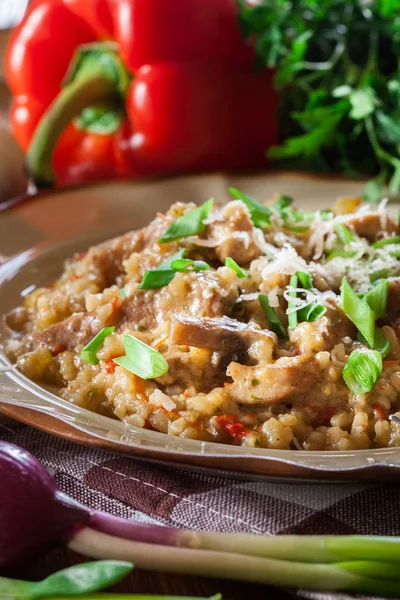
x=387 y=241
x=344 y=234
x=363 y=103
x=141 y=359
x=362 y=370
x=189 y=224
x=311 y=313
x=162 y=275
x=260 y=214
x=377 y=298
x=274 y=322
x=340 y=254
x=81 y=579
x=292 y=316
x=229 y=262
x=358 y=312
x=122 y=293
x=185 y=265
x=88 y=354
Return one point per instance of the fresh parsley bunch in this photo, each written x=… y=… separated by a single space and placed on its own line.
x=337 y=65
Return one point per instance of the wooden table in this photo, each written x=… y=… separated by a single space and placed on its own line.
x=146 y=582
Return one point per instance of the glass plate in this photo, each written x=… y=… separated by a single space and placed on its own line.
x=54 y=225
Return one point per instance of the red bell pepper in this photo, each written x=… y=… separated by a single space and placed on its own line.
x=136 y=87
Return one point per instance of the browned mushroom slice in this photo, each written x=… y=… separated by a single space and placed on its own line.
x=223 y=335
x=274 y=383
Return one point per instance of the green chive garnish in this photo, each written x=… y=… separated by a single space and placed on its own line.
x=381 y=344
x=185 y=265
x=122 y=293
x=362 y=370
x=358 y=312
x=274 y=322
x=189 y=224
x=341 y=254
x=305 y=279
x=141 y=359
x=260 y=214
x=88 y=354
x=292 y=316
x=387 y=241
x=312 y=311
x=233 y=265
x=344 y=234
x=162 y=275
x=377 y=298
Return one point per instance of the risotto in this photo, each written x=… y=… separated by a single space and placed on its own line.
x=254 y=324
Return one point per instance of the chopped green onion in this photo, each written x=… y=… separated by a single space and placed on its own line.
x=141 y=359
x=358 y=312
x=88 y=354
x=189 y=224
x=305 y=279
x=311 y=313
x=326 y=213
x=362 y=370
x=122 y=293
x=233 y=265
x=341 y=254
x=377 y=298
x=162 y=275
x=260 y=214
x=344 y=234
x=395 y=253
x=387 y=242
x=376 y=275
x=290 y=217
x=381 y=343
x=292 y=316
x=185 y=265
x=281 y=203
x=274 y=322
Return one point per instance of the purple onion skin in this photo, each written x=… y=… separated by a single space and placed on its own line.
x=138 y=532
x=34 y=513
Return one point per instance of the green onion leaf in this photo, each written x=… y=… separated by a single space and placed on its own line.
x=381 y=343
x=122 y=293
x=362 y=370
x=395 y=254
x=185 y=265
x=141 y=359
x=260 y=214
x=291 y=217
x=189 y=224
x=358 y=312
x=162 y=275
x=341 y=254
x=387 y=241
x=311 y=313
x=88 y=354
x=281 y=203
x=377 y=298
x=275 y=324
x=305 y=279
x=376 y=275
x=344 y=234
x=233 y=265
x=326 y=214
x=292 y=316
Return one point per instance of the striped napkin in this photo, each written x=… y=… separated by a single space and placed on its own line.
x=155 y=493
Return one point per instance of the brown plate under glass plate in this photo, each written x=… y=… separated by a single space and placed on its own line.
x=36 y=236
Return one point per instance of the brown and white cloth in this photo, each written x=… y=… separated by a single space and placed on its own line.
x=153 y=493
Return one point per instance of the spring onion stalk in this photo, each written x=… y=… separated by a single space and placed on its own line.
x=281 y=203
x=377 y=298
x=161 y=275
x=344 y=234
x=362 y=370
x=342 y=575
x=387 y=242
x=141 y=359
x=186 y=265
x=37 y=513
